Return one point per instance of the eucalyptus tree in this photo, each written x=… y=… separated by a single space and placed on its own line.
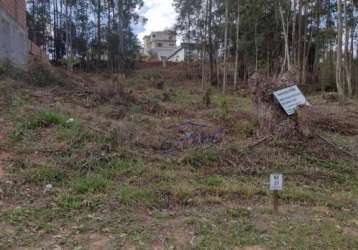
x=91 y=33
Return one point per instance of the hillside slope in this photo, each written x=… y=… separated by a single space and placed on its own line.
x=95 y=162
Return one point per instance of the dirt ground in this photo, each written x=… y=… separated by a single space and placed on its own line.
x=91 y=161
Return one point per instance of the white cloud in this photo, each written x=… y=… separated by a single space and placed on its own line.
x=160 y=14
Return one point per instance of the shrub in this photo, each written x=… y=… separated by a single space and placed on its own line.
x=3 y=68
x=41 y=76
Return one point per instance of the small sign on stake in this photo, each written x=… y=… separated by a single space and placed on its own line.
x=276 y=185
x=276 y=182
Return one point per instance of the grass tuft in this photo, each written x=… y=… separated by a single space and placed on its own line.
x=90 y=184
x=201 y=158
x=44 y=175
x=131 y=195
x=45 y=119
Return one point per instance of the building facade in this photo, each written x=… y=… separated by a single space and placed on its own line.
x=161 y=44
x=187 y=52
x=13 y=32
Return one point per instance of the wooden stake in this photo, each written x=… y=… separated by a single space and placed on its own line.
x=275 y=201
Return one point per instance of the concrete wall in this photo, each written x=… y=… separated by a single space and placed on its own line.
x=13 y=40
x=162 y=53
x=185 y=53
x=178 y=57
x=16 y=9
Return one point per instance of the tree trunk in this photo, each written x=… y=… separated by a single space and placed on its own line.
x=256 y=49
x=99 y=30
x=204 y=47
x=211 y=49
x=237 y=45
x=226 y=44
x=351 y=57
x=285 y=33
x=346 y=52
x=339 y=83
x=67 y=35
x=300 y=38
x=294 y=21
x=317 y=34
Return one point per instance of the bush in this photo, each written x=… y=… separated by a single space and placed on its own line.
x=41 y=76
x=3 y=68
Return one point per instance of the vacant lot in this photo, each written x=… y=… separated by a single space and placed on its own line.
x=94 y=162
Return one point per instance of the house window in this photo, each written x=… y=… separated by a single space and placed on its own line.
x=159 y=45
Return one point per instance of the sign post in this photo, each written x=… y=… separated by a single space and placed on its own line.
x=276 y=185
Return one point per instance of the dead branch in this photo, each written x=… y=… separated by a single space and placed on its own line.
x=259 y=142
x=339 y=148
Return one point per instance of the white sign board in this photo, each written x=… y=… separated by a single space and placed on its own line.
x=276 y=182
x=290 y=98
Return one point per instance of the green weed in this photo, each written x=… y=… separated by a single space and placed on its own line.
x=125 y=166
x=72 y=201
x=247 y=128
x=74 y=133
x=45 y=119
x=79 y=201
x=36 y=216
x=136 y=109
x=44 y=175
x=42 y=119
x=90 y=184
x=120 y=167
x=18 y=214
x=201 y=158
x=214 y=181
x=3 y=68
x=131 y=195
x=225 y=230
x=317 y=234
x=180 y=97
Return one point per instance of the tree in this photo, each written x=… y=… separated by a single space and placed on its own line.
x=299 y=34
x=339 y=83
x=74 y=31
x=237 y=45
x=226 y=43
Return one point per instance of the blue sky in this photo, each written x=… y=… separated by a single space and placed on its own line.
x=160 y=14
